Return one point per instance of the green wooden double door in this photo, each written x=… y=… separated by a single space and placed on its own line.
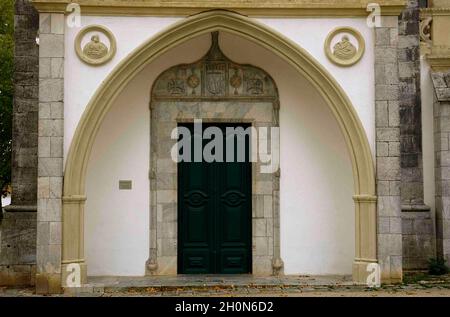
x=214 y=211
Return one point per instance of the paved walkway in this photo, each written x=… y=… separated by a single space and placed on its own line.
x=230 y=286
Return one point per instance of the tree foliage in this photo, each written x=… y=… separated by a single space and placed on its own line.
x=6 y=88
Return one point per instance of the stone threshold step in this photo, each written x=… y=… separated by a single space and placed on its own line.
x=91 y=289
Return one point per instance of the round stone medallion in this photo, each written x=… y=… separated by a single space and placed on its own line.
x=344 y=46
x=95 y=45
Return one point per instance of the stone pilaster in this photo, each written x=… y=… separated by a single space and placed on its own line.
x=410 y=107
x=50 y=154
x=417 y=223
x=18 y=243
x=388 y=173
x=25 y=112
x=441 y=82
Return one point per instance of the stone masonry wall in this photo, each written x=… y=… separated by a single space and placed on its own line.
x=25 y=112
x=18 y=226
x=18 y=248
x=441 y=82
x=50 y=167
x=388 y=175
x=417 y=223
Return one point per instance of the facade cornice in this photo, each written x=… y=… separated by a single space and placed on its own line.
x=261 y=8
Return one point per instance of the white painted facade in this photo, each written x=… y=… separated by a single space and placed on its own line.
x=317 y=210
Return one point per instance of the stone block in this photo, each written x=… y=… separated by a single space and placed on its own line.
x=50 y=127
x=166 y=196
x=408 y=41
x=57 y=110
x=43 y=233
x=169 y=213
x=43 y=187
x=44 y=68
x=56 y=185
x=383 y=225
x=391 y=75
x=44 y=146
x=55 y=235
x=57 y=23
x=383 y=188
x=263 y=188
x=394 y=114
x=44 y=110
x=50 y=166
x=382 y=148
x=382 y=118
x=166 y=180
x=388 y=168
x=390 y=245
x=382 y=37
x=389 y=206
x=394 y=148
x=268 y=206
x=386 y=55
x=168 y=247
x=260 y=227
x=49 y=210
x=44 y=23
x=388 y=134
x=389 y=21
x=51 y=45
x=261 y=246
x=56 y=146
x=395 y=225
x=169 y=230
x=51 y=90
x=262 y=266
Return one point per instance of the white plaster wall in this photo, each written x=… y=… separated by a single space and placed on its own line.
x=357 y=81
x=81 y=81
x=427 y=92
x=117 y=221
x=317 y=211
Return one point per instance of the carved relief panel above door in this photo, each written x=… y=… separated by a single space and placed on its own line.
x=215 y=76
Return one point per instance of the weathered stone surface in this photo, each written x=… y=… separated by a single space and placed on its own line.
x=25 y=107
x=388 y=172
x=442 y=172
x=17 y=248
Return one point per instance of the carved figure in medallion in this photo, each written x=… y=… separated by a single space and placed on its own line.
x=95 y=49
x=344 y=49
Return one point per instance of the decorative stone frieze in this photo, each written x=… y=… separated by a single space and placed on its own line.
x=283 y=8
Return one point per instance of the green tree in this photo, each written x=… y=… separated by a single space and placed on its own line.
x=6 y=89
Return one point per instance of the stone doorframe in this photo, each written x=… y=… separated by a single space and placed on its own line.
x=74 y=196
x=213 y=89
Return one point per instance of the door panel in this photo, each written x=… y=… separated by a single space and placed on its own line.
x=214 y=214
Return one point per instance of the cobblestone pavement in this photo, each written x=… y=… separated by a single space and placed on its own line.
x=417 y=285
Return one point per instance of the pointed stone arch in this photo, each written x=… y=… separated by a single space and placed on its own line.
x=219 y=20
